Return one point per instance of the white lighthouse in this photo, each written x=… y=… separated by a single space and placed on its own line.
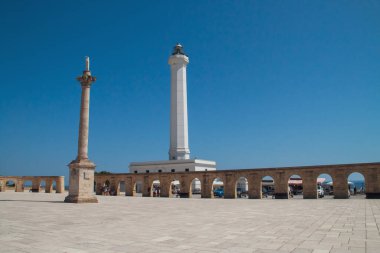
x=179 y=136
x=179 y=152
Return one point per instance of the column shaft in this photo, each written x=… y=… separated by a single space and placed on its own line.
x=84 y=123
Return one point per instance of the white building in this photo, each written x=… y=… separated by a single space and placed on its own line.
x=172 y=166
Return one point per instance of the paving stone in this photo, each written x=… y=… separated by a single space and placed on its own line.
x=39 y=222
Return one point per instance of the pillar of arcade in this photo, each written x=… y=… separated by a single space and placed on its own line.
x=60 y=184
x=81 y=186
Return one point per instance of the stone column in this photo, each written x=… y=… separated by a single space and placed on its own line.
x=340 y=185
x=146 y=187
x=229 y=186
x=165 y=187
x=207 y=187
x=130 y=187
x=2 y=185
x=254 y=186
x=19 y=185
x=48 y=185
x=309 y=184
x=118 y=182
x=281 y=186
x=99 y=187
x=81 y=186
x=185 y=191
x=114 y=185
x=60 y=184
x=372 y=183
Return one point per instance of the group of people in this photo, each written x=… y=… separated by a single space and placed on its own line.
x=107 y=191
x=156 y=191
x=176 y=192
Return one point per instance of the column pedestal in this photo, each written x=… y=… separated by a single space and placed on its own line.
x=81 y=182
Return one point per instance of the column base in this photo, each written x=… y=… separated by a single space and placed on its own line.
x=310 y=197
x=184 y=195
x=255 y=197
x=341 y=197
x=281 y=195
x=373 y=195
x=77 y=199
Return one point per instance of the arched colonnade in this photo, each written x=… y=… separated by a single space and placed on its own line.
x=309 y=175
x=35 y=181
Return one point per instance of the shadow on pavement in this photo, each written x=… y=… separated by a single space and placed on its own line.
x=24 y=200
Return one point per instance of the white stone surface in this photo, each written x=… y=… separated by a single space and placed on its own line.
x=40 y=222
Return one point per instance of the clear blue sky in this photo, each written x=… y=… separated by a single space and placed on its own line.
x=270 y=83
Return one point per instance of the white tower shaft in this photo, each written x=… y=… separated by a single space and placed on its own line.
x=179 y=139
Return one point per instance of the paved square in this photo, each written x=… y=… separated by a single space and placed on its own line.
x=41 y=222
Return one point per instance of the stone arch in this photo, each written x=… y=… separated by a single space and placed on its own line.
x=138 y=187
x=114 y=188
x=98 y=185
x=325 y=188
x=241 y=187
x=54 y=185
x=268 y=186
x=175 y=187
x=217 y=187
x=115 y=184
x=356 y=184
x=121 y=187
x=42 y=184
x=106 y=187
x=195 y=187
x=10 y=184
x=295 y=186
x=27 y=185
x=155 y=187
